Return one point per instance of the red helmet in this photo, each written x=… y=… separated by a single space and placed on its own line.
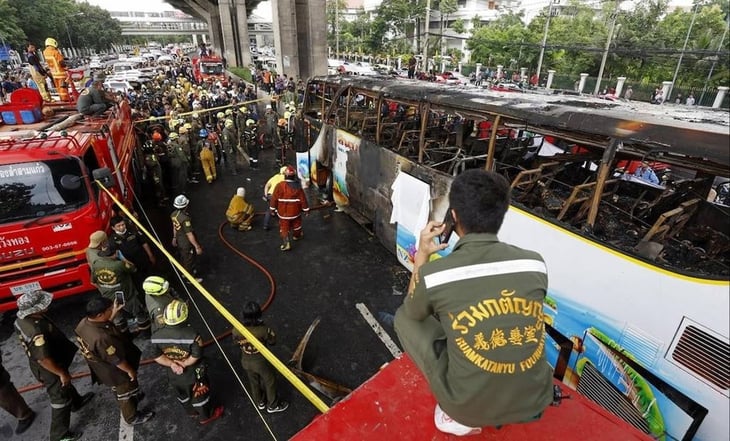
x=290 y=172
x=156 y=136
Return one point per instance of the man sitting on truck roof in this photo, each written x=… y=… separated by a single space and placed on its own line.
x=95 y=100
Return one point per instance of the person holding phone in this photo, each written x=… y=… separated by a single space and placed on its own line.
x=472 y=321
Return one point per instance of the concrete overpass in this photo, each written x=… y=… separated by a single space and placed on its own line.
x=300 y=32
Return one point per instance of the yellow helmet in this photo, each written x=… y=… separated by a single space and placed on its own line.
x=243 y=109
x=220 y=115
x=229 y=111
x=229 y=123
x=287 y=115
x=182 y=130
x=51 y=42
x=188 y=126
x=250 y=122
x=155 y=286
x=176 y=312
x=172 y=135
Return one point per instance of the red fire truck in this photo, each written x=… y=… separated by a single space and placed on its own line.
x=50 y=158
x=209 y=70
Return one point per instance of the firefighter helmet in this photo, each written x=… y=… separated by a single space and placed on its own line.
x=203 y=133
x=155 y=286
x=51 y=42
x=157 y=137
x=290 y=172
x=281 y=122
x=181 y=201
x=176 y=312
x=243 y=109
x=250 y=122
x=172 y=135
x=195 y=115
x=188 y=126
x=220 y=115
x=287 y=115
x=229 y=111
x=229 y=123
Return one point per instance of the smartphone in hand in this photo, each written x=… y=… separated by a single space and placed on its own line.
x=119 y=298
x=448 y=229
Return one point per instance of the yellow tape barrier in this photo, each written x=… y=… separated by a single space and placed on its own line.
x=289 y=375
x=201 y=111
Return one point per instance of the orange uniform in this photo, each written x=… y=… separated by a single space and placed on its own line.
x=57 y=66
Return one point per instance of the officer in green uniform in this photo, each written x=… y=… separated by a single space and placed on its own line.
x=178 y=164
x=154 y=171
x=111 y=274
x=472 y=321
x=112 y=357
x=50 y=355
x=158 y=294
x=183 y=236
x=180 y=348
x=261 y=375
x=96 y=239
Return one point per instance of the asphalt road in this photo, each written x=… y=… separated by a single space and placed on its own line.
x=337 y=265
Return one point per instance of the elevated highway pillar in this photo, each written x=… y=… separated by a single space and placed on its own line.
x=234 y=32
x=300 y=37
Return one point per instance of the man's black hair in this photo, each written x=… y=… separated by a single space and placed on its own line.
x=115 y=220
x=251 y=314
x=480 y=199
x=97 y=305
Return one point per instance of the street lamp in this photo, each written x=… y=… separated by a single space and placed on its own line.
x=605 y=50
x=68 y=33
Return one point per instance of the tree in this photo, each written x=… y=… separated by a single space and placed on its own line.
x=10 y=30
x=495 y=43
x=446 y=7
x=335 y=12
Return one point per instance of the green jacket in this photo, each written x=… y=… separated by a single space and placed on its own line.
x=488 y=297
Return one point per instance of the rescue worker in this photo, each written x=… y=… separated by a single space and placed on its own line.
x=179 y=347
x=13 y=402
x=158 y=294
x=96 y=239
x=112 y=357
x=268 y=190
x=178 y=164
x=50 y=354
x=282 y=137
x=229 y=141
x=153 y=169
x=134 y=247
x=183 y=236
x=240 y=213
x=261 y=375
x=38 y=72
x=207 y=158
x=289 y=202
x=250 y=141
x=112 y=273
x=57 y=66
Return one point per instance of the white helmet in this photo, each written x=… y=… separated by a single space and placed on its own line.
x=181 y=201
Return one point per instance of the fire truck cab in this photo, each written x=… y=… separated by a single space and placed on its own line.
x=50 y=195
x=209 y=70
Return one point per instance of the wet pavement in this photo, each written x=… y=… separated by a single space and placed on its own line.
x=336 y=265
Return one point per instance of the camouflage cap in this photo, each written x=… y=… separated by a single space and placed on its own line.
x=33 y=302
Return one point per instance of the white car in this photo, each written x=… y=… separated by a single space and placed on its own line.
x=115 y=86
x=95 y=63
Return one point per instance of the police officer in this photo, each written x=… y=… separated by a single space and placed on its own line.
x=180 y=348
x=111 y=274
x=158 y=294
x=178 y=164
x=13 y=402
x=50 y=355
x=183 y=236
x=261 y=375
x=133 y=246
x=112 y=357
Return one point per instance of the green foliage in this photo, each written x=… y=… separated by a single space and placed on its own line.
x=458 y=26
x=242 y=72
x=87 y=26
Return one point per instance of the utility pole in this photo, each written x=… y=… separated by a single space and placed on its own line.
x=714 y=62
x=544 y=37
x=425 y=36
x=337 y=29
x=681 y=55
x=605 y=49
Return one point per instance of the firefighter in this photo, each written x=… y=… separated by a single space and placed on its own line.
x=183 y=236
x=207 y=158
x=281 y=141
x=289 y=202
x=158 y=294
x=178 y=164
x=250 y=140
x=50 y=354
x=240 y=213
x=111 y=273
x=268 y=190
x=261 y=375
x=57 y=66
x=153 y=171
x=180 y=348
x=229 y=148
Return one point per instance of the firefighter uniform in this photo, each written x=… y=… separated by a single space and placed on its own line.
x=57 y=66
x=153 y=171
x=229 y=141
x=110 y=275
x=182 y=225
x=250 y=141
x=261 y=374
x=42 y=339
x=289 y=202
x=240 y=213
x=104 y=347
x=178 y=343
x=207 y=158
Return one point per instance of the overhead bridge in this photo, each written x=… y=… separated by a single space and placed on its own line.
x=299 y=28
